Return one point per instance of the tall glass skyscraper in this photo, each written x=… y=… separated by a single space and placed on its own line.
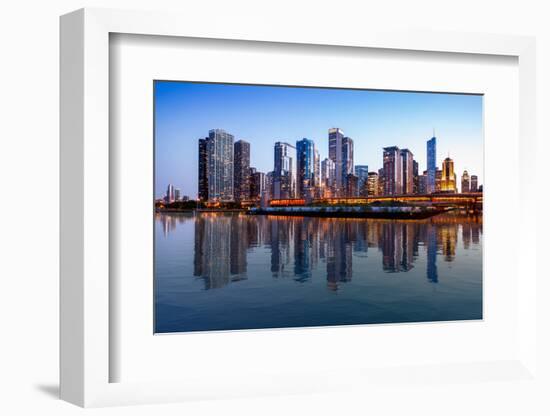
x=203 y=169
x=284 y=171
x=431 y=165
x=340 y=151
x=241 y=170
x=393 y=177
x=362 y=173
x=305 y=158
x=220 y=165
x=407 y=171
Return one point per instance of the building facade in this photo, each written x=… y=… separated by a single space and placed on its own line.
x=431 y=165
x=284 y=172
x=328 y=178
x=407 y=171
x=305 y=167
x=241 y=170
x=203 y=169
x=340 y=151
x=220 y=166
x=473 y=183
x=372 y=184
x=448 y=176
x=465 y=182
x=362 y=173
x=393 y=175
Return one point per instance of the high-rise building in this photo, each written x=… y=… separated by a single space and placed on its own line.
x=465 y=182
x=340 y=151
x=438 y=175
x=432 y=165
x=328 y=177
x=352 y=186
x=362 y=173
x=257 y=185
x=448 y=176
x=473 y=183
x=169 y=197
x=423 y=183
x=305 y=167
x=177 y=194
x=372 y=184
x=284 y=171
x=407 y=171
x=335 y=138
x=241 y=170
x=415 y=177
x=381 y=182
x=393 y=175
x=220 y=166
x=317 y=173
x=203 y=169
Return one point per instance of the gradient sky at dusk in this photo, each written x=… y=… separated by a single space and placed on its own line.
x=262 y=115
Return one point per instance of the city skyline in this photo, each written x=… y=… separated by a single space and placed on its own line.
x=177 y=155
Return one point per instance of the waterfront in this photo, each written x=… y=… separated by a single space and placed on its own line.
x=224 y=271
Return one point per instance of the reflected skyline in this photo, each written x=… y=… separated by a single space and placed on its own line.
x=220 y=271
x=300 y=245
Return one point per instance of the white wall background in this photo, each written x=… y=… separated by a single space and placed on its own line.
x=29 y=169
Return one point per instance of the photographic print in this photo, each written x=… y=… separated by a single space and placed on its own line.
x=288 y=206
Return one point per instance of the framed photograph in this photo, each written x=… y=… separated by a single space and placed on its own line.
x=270 y=213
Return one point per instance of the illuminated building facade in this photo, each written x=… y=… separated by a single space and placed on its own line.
x=407 y=171
x=284 y=172
x=372 y=184
x=393 y=175
x=220 y=166
x=241 y=170
x=465 y=182
x=203 y=169
x=431 y=165
x=362 y=173
x=448 y=176
x=305 y=167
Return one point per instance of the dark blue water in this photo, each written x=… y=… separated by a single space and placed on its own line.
x=217 y=271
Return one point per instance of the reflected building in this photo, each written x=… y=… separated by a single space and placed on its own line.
x=431 y=249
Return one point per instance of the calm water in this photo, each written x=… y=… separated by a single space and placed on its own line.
x=219 y=271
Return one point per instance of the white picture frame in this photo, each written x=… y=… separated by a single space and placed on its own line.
x=85 y=213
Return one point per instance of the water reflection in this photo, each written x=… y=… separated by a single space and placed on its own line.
x=296 y=247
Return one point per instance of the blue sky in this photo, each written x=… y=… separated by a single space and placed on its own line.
x=262 y=115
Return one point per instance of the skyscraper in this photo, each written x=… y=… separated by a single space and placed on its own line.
x=372 y=184
x=241 y=170
x=448 y=176
x=381 y=182
x=407 y=171
x=465 y=182
x=317 y=172
x=432 y=166
x=257 y=185
x=284 y=171
x=347 y=158
x=415 y=177
x=220 y=165
x=335 y=138
x=305 y=166
x=170 y=194
x=473 y=183
x=352 y=186
x=203 y=169
x=328 y=177
x=362 y=173
x=393 y=175
x=340 y=151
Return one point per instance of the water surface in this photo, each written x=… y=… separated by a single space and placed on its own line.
x=225 y=271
